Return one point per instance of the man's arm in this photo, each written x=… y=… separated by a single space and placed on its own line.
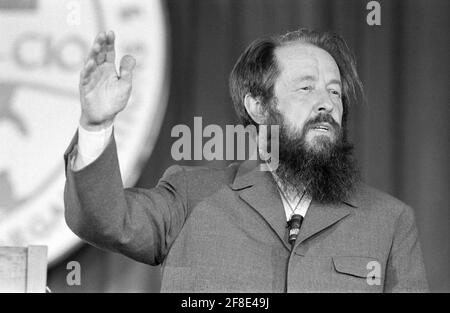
x=405 y=271
x=139 y=223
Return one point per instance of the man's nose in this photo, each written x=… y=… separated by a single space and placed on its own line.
x=324 y=103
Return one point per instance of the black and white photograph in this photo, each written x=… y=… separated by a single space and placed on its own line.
x=210 y=148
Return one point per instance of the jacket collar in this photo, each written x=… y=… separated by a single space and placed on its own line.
x=258 y=189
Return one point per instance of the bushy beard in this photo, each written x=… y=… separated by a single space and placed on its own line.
x=326 y=168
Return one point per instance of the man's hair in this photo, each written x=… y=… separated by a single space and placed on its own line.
x=256 y=70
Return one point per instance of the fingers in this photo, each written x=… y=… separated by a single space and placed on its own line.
x=110 y=49
x=86 y=72
x=127 y=64
x=100 y=56
x=103 y=49
x=97 y=47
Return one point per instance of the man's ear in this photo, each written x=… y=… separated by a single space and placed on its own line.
x=255 y=109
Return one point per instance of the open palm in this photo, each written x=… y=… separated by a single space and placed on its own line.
x=104 y=92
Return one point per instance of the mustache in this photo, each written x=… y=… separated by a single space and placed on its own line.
x=322 y=118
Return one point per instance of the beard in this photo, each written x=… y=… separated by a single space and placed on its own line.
x=325 y=166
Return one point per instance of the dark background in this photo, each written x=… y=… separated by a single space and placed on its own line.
x=401 y=136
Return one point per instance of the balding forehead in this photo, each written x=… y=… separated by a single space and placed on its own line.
x=304 y=53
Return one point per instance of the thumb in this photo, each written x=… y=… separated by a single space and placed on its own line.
x=127 y=64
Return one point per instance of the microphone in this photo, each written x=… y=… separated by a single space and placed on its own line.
x=294 y=225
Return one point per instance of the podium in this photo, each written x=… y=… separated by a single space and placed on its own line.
x=23 y=269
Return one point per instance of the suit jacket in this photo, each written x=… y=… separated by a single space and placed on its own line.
x=224 y=230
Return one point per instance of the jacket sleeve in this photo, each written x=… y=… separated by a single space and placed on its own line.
x=139 y=223
x=405 y=271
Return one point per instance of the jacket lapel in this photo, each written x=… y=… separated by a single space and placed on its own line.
x=319 y=217
x=258 y=189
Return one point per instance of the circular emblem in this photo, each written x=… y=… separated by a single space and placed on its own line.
x=44 y=44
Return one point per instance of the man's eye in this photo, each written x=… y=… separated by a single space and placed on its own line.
x=336 y=93
x=306 y=88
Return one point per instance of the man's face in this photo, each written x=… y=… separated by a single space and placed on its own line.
x=308 y=94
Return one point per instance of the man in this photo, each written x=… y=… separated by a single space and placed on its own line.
x=226 y=230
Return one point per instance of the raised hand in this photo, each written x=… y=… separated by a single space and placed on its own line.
x=103 y=92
